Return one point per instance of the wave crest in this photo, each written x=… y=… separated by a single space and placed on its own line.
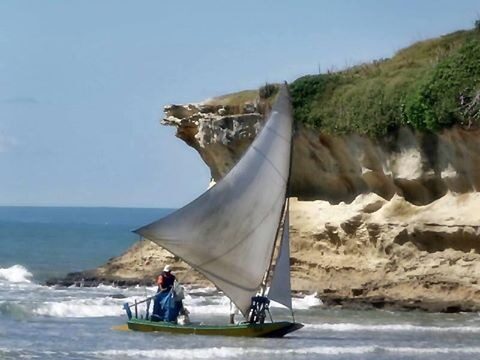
x=16 y=274
x=349 y=327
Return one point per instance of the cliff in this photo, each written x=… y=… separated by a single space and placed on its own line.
x=384 y=181
x=390 y=221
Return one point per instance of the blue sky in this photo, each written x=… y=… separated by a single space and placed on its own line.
x=83 y=83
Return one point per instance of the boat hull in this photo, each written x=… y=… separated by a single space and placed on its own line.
x=275 y=329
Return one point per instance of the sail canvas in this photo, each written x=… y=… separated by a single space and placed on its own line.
x=280 y=287
x=228 y=233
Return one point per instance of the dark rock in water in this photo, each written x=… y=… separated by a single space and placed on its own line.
x=118 y=296
x=380 y=302
x=89 y=278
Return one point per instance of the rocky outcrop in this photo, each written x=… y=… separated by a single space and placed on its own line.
x=421 y=167
x=387 y=253
x=389 y=222
x=220 y=133
x=141 y=264
x=378 y=222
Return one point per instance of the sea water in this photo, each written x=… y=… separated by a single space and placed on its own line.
x=41 y=322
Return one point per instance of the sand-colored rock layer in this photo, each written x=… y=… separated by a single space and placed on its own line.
x=371 y=251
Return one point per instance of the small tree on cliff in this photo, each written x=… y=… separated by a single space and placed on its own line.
x=266 y=91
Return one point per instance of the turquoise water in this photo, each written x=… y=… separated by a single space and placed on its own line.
x=41 y=322
x=52 y=241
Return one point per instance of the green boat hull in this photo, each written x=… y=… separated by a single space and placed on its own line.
x=275 y=329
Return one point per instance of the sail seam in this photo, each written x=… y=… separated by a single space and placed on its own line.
x=254 y=228
x=272 y=165
x=269 y=128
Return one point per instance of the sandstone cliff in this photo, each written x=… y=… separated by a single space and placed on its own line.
x=386 y=222
x=378 y=220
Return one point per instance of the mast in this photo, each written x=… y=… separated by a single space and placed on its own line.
x=267 y=273
x=286 y=204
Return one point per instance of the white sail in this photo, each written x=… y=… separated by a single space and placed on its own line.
x=280 y=288
x=228 y=233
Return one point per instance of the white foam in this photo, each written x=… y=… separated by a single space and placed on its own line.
x=219 y=304
x=79 y=302
x=459 y=350
x=306 y=302
x=87 y=302
x=199 y=353
x=107 y=306
x=228 y=352
x=80 y=308
x=16 y=274
x=232 y=352
x=345 y=327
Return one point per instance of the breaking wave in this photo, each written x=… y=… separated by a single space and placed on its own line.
x=345 y=327
x=14 y=310
x=232 y=352
x=83 y=303
x=306 y=302
x=229 y=352
x=218 y=304
x=225 y=352
x=16 y=274
x=98 y=301
x=80 y=308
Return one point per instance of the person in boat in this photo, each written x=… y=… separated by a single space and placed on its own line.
x=168 y=304
x=165 y=280
x=165 y=283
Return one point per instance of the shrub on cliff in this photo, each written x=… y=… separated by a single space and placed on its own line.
x=306 y=91
x=429 y=85
x=444 y=95
x=267 y=91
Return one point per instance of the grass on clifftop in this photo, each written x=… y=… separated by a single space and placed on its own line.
x=264 y=93
x=235 y=99
x=430 y=85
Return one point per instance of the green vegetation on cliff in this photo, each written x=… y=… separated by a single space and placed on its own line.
x=265 y=93
x=430 y=85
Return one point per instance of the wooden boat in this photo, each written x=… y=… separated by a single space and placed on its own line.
x=231 y=234
x=273 y=329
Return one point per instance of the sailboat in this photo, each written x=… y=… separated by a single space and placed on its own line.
x=234 y=232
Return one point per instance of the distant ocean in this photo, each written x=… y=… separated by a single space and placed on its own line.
x=40 y=322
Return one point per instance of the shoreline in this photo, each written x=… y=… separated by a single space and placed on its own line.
x=361 y=255
x=329 y=298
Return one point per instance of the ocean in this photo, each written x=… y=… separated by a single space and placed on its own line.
x=41 y=322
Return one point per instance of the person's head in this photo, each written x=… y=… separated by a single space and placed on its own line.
x=167 y=268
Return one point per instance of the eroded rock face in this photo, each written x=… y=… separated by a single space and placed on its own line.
x=420 y=167
x=220 y=134
x=393 y=220
x=421 y=256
